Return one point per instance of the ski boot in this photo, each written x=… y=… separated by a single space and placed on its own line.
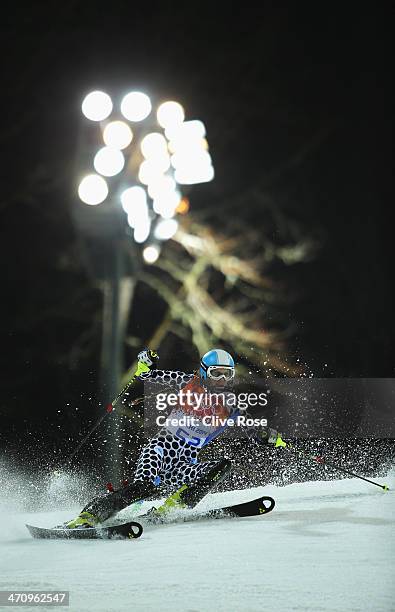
x=188 y=496
x=82 y=521
x=104 y=506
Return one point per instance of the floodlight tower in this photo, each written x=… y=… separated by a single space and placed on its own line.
x=132 y=164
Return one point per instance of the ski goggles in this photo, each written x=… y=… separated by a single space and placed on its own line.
x=218 y=372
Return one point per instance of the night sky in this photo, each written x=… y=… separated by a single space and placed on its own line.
x=296 y=102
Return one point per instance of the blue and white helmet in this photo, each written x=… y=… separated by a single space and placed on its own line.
x=217 y=364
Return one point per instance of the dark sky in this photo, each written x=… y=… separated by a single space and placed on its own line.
x=296 y=101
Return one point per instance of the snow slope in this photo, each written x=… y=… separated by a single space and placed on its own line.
x=327 y=546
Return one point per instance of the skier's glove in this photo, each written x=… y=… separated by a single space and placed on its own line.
x=146 y=359
x=270 y=436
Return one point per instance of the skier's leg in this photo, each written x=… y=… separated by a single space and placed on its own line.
x=153 y=459
x=200 y=477
x=102 y=507
x=144 y=486
x=194 y=482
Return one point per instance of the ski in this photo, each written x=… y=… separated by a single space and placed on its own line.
x=129 y=530
x=132 y=529
x=254 y=507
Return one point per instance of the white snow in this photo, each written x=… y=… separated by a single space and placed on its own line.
x=327 y=546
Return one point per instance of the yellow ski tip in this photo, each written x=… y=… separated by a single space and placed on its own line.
x=385 y=488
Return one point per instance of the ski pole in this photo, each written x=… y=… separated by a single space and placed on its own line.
x=109 y=408
x=322 y=461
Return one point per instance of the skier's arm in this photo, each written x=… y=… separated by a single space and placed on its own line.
x=146 y=371
x=168 y=378
x=267 y=435
x=145 y=360
x=263 y=435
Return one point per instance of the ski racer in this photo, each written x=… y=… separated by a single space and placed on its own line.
x=170 y=458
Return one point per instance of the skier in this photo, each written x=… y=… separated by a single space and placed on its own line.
x=171 y=458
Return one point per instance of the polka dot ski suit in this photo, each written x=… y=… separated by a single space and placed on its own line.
x=168 y=459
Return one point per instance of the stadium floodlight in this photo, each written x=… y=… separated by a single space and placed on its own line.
x=180 y=144
x=151 y=169
x=162 y=184
x=93 y=189
x=109 y=161
x=97 y=106
x=154 y=145
x=166 y=229
x=165 y=205
x=183 y=207
x=117 y=134
x=192 y=130
x=194 y=158
x=134 y=198
x=134 y=203
x=170 y=114
x=142 y=230
x=203 y=175
x=136 y=106
x=151 y=253
x=173 y=153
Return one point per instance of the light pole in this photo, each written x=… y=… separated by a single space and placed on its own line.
x=137 y=158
